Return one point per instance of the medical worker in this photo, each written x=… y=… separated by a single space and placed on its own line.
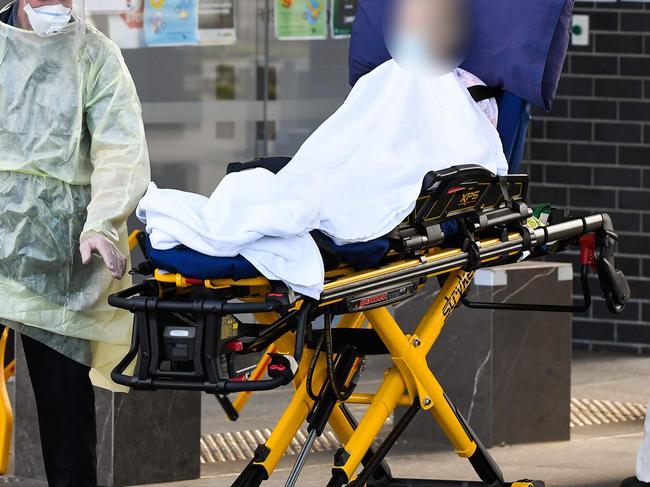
x=642 y=478
x=73 y=164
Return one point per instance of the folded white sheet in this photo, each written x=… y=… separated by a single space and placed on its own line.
x=355 y=178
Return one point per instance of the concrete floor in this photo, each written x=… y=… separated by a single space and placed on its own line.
x=597 y=461
x=596 y=456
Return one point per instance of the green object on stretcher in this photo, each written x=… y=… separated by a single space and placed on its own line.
x=540 y=218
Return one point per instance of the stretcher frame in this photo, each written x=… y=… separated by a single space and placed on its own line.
x=494 y=230
x=409 y=382
x=409 y=373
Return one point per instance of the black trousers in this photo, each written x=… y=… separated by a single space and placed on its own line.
x=65 y=402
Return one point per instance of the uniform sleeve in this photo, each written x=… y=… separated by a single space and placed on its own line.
x=118 y=148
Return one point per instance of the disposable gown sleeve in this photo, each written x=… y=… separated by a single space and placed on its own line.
x=118 y=148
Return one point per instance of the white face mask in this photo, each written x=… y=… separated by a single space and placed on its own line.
x=415 y=53
x=48 y=20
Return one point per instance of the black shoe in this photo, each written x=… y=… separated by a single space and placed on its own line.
x=634 y=482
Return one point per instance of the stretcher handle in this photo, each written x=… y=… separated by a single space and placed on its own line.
x=278 y=379
x=549 y=308
x=129 y=300
x=596 y=250
x=616 y=289
x=221 y=387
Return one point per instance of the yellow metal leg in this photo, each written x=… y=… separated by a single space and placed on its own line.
x=412 y=373
x=243 y=397
x=411 y=362
x=10 y=370
x=341 y=426
x=291 y=421
x=6 y=413
x=133 y=239
x=301 y=404
x=373 y=420
x=286 y=345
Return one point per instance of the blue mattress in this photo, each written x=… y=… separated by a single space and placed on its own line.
x=194 y=265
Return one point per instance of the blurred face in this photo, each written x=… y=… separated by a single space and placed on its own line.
x=429 y=36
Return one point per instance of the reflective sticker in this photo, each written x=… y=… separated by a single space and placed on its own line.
x=381 y=298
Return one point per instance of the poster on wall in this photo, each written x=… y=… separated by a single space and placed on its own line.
x=217 y=22
x=300 y=19
x=343 y=14
x=171 y=22
x=127 y=29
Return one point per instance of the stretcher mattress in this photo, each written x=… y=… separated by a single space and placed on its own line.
x=194 y=265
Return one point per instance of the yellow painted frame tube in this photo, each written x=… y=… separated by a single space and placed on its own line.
x=243 y=397
x=6 y=413
x=301 y=404
x=290 y=422
x=133 y=239
x=10 y=370
x=412 y=373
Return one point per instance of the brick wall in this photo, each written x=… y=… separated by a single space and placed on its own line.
x=592 y=153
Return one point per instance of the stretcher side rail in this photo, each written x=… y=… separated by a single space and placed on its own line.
x=433 y=265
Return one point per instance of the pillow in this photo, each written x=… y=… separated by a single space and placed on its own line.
x=519 y=46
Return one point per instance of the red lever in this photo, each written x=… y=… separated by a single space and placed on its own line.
x=588 y=250
x=278 y=367
x=194 y=282
x=234 y=346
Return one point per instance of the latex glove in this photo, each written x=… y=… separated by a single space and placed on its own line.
x=99 y=245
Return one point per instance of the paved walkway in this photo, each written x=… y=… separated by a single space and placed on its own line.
x=596 y=456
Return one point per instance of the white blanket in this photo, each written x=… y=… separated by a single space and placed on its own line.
x=356 y=178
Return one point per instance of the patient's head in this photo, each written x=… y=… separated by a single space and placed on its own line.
x=429 y=37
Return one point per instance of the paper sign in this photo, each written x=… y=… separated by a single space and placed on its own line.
x=343 y=13
x=217 y=22
x=301 y=19
x=171 y=22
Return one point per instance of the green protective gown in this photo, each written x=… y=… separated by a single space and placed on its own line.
x=73 y=162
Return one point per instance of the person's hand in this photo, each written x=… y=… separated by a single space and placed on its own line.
x=114 y=261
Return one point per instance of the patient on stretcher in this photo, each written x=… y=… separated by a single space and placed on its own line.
x=355 y=179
